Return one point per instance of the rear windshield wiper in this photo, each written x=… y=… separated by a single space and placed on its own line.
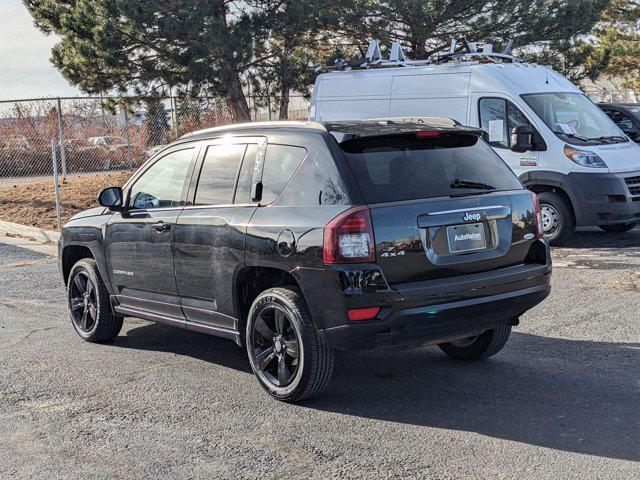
x=572 y=135
x=459 y=183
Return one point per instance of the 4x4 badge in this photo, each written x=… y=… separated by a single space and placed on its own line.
x=471 y=217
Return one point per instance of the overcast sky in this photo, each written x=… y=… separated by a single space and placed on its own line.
x=25 y=69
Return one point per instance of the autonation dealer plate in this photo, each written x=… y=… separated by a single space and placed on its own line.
x=466 y=238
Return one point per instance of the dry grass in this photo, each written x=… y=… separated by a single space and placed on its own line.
x=34 y=203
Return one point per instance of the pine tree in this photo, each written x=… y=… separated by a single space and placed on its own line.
x=618 y=40
x=157 y=121
x=201 y=46
x=425 y=27
x=297 y=37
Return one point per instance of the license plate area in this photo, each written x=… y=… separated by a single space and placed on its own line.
x=466 y=238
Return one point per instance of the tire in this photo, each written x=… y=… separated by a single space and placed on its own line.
x=480 y=347
x=557 y=218
x=89 y=304
x=618 y=227
x=280 y=331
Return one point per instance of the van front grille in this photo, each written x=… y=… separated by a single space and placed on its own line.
x=633 y=184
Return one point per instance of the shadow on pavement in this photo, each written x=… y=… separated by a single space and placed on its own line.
x=596 y=238
x=569 y=395
x=162 y=338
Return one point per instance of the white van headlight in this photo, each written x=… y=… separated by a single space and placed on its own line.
x=584 y=157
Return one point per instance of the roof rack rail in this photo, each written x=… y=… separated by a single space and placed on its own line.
x=459 y=51
x=373 y=59
x=470 y=50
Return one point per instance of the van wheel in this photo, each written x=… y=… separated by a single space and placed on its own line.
x=618 y=227
x=291 y=360
x=557 y=218
x=478 y=347
x=89 y=304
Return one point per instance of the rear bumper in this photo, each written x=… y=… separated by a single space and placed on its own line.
x=437 y=323
x=430 y=311
x=603 y=198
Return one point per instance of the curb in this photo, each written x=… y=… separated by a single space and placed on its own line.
x=33 y=233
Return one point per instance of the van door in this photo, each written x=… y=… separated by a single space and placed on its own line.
x=498 y=117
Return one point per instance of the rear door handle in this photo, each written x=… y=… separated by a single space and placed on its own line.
x=161 y=226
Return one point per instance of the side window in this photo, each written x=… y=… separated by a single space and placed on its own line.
x=493 y=120
x=498 y=117
x=620 y=119
x=516 y=118
x=218 y=174
x=316 y=182
x=245 y=179
x=280 y=164
x=162 y=184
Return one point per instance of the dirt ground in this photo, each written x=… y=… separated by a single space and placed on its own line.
x=33 y=203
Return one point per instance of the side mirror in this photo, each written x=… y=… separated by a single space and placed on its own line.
x=111 y=198
x=522 y=138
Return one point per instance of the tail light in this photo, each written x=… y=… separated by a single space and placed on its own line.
x=537 y=219
x=427 y=134
x=348 y=238
x=360 y=314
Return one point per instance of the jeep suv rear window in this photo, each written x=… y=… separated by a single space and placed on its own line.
x=405 y=167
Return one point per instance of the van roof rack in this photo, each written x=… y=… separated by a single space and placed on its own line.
x=459 y=51
x=373 y=59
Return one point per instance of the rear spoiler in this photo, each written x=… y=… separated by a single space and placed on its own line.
x=366 y=129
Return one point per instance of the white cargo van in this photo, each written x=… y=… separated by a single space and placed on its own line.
x=561 y=145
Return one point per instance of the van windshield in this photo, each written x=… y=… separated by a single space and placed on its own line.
x=393 y=168
x=574 y=118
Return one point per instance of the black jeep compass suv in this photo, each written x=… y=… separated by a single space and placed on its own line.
x=294 y=239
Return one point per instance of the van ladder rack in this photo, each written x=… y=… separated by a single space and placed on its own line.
x=469 y=51
x=472 y=50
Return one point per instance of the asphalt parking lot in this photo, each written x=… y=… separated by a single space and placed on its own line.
x=561 y=401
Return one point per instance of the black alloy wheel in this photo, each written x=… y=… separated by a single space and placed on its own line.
x=288 y=355
x=83 y=302
x=89 y=304
x=478 y=347
x=276 y=346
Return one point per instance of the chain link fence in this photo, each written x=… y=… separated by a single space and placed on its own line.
x=96 y=142
x=107 y=134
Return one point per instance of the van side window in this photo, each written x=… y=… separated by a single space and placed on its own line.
x=218 y=174
x=498 y=117
x=280 y=164
x=515 y=118
x=493 y=114
x=245 y=179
